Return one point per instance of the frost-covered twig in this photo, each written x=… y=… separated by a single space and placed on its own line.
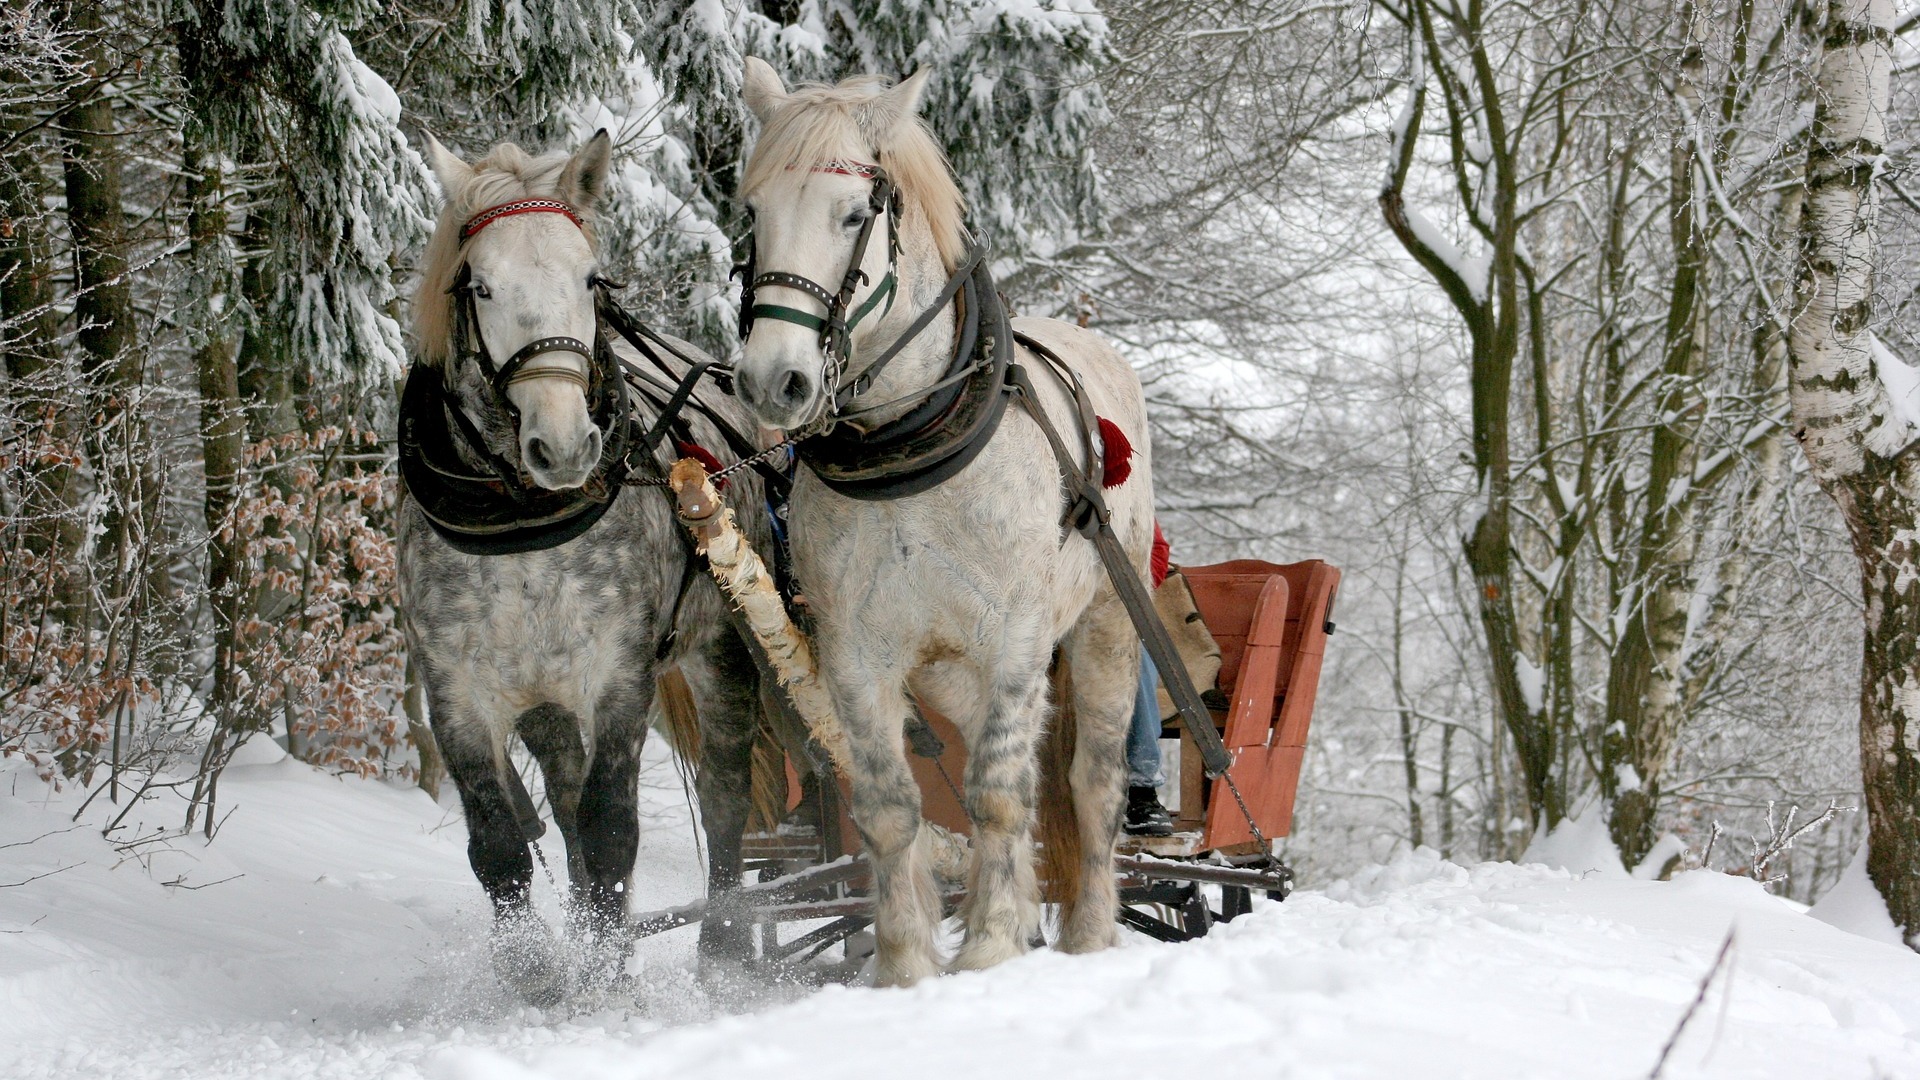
x=181 y=883
x=1719 y=960
x=1706 y=855
x=1781 y=836
x=36 y=877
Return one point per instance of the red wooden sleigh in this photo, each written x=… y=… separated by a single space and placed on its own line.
x=1271 y=623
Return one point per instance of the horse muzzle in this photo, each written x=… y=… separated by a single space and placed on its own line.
x=785 y=396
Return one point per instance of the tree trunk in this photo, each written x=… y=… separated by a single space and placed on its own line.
x=1491 y=309
x=1857 y=439
x=1646 y=670
x=103 y=302
x=30 y=349
x=222 y=422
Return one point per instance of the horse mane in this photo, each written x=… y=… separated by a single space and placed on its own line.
x=505 y=174
x=815 y=123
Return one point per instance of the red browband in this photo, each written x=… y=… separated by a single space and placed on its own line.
x=522 y=206
x=848 y=168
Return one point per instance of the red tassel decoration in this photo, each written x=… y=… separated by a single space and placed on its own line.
x=700 y=454
x=1119 y=454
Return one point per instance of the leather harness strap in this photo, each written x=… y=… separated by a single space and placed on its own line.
x=1088 y=513
x=497 y=511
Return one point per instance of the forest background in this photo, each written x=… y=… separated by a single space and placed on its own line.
x=1507 y=309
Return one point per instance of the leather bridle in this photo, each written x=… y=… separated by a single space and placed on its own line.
x=836 y=326
x=468 y=340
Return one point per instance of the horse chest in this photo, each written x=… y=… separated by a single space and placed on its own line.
x=953 y=566
x=519 y=631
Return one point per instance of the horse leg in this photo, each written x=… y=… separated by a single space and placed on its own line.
x=1002 y=910
x=609 y=813
x=552 y=735
x=1103 y=657
x=886 y=811
x=725 y=684
x=523 y=950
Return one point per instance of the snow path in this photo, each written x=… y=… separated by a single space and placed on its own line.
x=350 y=948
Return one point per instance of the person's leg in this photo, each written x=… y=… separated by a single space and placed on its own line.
x=1143 y=738
x=1145 y=815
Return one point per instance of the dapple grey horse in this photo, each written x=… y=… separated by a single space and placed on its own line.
x=560 y=646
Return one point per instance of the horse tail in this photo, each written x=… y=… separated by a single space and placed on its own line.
x=768 y=789
x=1061 y=866
x=678 y=718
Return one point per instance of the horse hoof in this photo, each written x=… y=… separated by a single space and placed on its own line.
x=903 y=971
x=726 y=941
x=527 y=960
x=979 y=954
x=603 y=959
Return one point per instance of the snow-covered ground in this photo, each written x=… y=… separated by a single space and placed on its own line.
x=332 y=930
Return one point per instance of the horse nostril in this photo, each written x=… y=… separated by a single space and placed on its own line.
x=591 y=451
x=793 y=388
x=537 y=455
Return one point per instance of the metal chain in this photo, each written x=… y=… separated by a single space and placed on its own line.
x=1266 y=849
x=749 y=462
x=634 y=480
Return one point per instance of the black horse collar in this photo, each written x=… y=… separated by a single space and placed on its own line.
x=494 y=510
x=945 y=432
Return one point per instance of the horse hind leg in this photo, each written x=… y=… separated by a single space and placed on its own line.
x=1002 y=909
x=724 y=684
x=1102 y=658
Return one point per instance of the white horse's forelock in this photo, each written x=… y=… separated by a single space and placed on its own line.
x=816 y=123
x=505 y=174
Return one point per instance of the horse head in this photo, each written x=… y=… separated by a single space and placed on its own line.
x=508 y=298
x=852 y=204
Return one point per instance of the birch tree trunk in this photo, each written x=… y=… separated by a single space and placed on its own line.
x=1858 y=440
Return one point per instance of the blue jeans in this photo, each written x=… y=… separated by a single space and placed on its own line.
x=1143 y=738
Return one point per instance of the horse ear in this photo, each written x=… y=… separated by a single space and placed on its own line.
x=894 y=106
x=763 y=89
x=452 y=173
x=584 y=179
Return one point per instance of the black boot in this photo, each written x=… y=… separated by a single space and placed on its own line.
x=1145 y=815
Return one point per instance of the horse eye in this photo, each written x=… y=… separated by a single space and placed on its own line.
x=857 y=218
x=480 y=290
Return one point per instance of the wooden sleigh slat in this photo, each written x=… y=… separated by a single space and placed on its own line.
x=1271 y=622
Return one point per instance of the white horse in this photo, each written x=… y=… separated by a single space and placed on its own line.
x=959 y=594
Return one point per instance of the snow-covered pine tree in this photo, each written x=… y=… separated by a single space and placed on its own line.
x=1013 y=97
x=278 y=87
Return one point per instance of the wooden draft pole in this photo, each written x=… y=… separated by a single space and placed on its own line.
x=749 y=586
